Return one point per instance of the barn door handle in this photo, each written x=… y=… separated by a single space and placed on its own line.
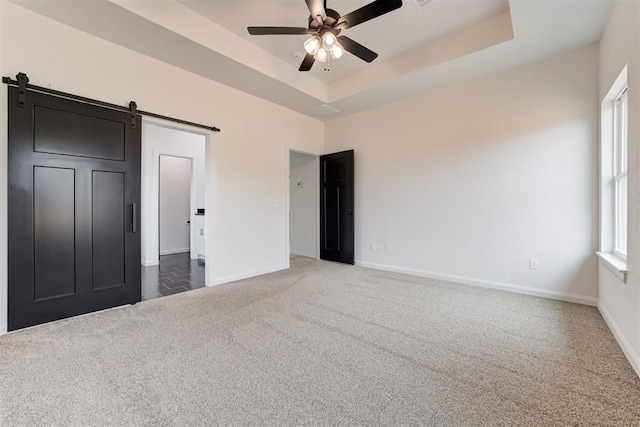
x=134 y=218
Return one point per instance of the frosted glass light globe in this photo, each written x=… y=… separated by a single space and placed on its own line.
x=312 y=44
x=337 y=51
x=328 y=40
x=321 y=55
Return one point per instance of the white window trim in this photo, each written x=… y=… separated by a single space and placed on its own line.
x=608 y=258
x=620 y=170
x=617 y=265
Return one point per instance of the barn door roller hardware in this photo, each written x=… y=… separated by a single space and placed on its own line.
x=133 y=110
x=22 y=82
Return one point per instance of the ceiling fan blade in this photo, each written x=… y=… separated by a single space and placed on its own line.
x=370 y=11
x=357 y=49
x=316 y=7
x=268 y=31
x=307 y=63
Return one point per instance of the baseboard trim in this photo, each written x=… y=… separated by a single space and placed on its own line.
x=235 y=278
x=147 y=263
x=628 y=351
x=302 y=254
x=525 y=290
x=3 y=328
x=175 y=251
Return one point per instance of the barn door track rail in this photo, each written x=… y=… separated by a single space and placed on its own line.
x=23 y=85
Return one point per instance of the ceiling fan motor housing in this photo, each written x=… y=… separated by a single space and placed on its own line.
x=332 y=19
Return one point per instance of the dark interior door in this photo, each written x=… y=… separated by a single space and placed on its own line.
x=74 y=189
x=336 y=207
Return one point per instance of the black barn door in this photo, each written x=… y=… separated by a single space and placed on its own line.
x=74 y=197
x=336 y=207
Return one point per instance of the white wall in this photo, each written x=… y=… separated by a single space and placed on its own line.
x=157 y=141
x=175 y=204
x=248 y=177
x=620 y=302
x=304 y=204
x=469 y=181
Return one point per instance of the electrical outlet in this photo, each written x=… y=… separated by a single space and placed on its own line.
x=372 y=246
x=387 y=247
x=534 y=264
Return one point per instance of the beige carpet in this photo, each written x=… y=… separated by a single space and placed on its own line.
x=323 y=344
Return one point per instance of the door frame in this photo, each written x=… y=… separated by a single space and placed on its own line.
x=210 y=189
x=193 y=189
x=151 y=196
x=287 y=212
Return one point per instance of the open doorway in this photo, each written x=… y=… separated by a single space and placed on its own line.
x=173 y=201
x=303 y=206
x=174 y=211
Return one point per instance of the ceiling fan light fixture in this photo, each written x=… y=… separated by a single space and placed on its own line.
x=321 y=55
x=324 y=25
x=328 y=40
x=336 y=51
x=312 y=44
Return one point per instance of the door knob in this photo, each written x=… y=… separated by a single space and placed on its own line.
x=350 y=212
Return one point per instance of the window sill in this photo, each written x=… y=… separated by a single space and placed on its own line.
x=614 y=263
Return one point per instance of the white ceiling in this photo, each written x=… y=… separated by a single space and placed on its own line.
x=420 y=48
x=391 y=34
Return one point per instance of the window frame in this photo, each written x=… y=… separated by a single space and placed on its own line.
x=620 y=173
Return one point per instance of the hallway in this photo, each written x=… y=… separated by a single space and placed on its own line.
x=176 y=273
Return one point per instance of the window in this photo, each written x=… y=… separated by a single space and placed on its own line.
x=613 y=178
x=620 y=173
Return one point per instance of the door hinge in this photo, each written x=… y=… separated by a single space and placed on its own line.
x=22 y=89
x=134 y=113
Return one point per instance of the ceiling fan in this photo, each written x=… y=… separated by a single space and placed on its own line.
x=324 y=28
